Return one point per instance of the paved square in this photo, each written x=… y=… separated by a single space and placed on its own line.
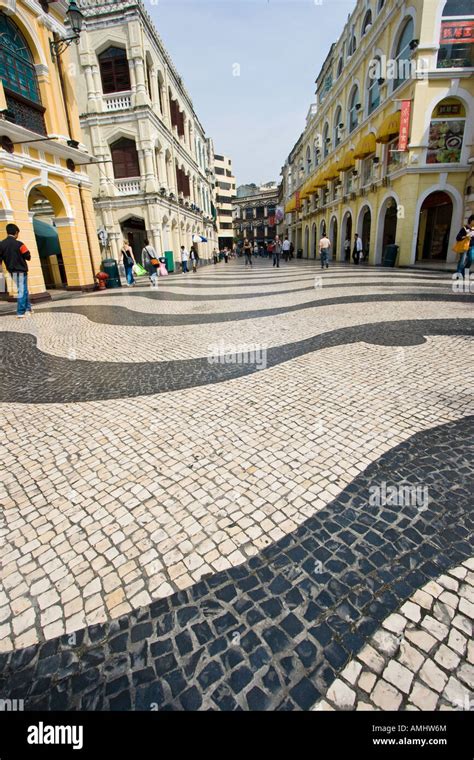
x=248 y=490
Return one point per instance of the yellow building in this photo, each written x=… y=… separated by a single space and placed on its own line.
x=43 y=185
x=387 y=149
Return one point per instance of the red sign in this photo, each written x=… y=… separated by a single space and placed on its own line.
x=298 y=201
x=453 y=32
x=271 y=221
x=404 y=125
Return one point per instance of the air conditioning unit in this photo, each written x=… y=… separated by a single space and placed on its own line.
x=373 y=188
x=386 y=182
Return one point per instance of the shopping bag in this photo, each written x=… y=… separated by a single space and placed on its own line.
x=163 y=270
x=462 y=246
x=139 y=271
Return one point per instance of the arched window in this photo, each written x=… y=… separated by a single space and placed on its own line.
x=373 y=100
x=380 y=5
x=308 y=160
x=18 y=75
x=339 y=66
x=367 y=22
x=456 y=48
x=353 y=110
x=125 y=158
x=114 y=71
x=352 y=45
x=446 y=132
x=316 y=151
x=326 y=140
x=336 y=130
x=403 y=55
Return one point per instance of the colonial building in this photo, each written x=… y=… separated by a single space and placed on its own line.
x=154 y=177
x=255 y=215
x=225 y=194
x=387 y=149
x=44 y=188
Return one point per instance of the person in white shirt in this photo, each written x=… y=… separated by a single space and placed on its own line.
x=286 y=249
x=358 y=249
x=324 y=246
x=184 y=259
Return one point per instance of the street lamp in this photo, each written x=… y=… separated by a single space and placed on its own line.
x=75 y=18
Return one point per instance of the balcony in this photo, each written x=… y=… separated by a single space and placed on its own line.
x=26 y=114
x=118 y=101
x=129 y=186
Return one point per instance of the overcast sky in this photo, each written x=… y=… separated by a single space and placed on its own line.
x=256 y=117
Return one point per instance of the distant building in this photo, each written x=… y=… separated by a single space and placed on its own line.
x=255 y=215
x=224 y=197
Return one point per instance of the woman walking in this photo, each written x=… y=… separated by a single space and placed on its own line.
x=128 y=259
x=247 y=252
x=150 y=262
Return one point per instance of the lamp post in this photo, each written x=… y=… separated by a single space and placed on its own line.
x=58 y=45
x=76 y=19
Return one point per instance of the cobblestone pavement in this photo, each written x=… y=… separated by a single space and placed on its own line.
x=182 y=534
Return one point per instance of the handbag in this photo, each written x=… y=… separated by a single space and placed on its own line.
x=154 y=262
x=138 y=270
x=462 y=246
x=163 y=270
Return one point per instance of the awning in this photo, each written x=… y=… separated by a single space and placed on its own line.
x=305 y=190
x=346 y=162
x=318 y=181
x=331 y=172
x=365 y=146
x=47 y=240
x=291 y=205
x=389 y=128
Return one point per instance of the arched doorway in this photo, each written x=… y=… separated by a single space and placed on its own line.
x=364 y=227
x=434 y=227
x=133 y=230
x=387 y=228
x=346 y=234
x=313 y=241
x=333 y=237
x=47 y=239
x=306 y=242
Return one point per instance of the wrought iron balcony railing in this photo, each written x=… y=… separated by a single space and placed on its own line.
x=26 y=114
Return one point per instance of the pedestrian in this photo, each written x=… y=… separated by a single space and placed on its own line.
x=277 y=249
x=184 y=259
x=347 y=249
x=255 y=249
x=247 y=252
x=226 y=254
x=324 y=246
x=192 y=257
x=129 y=262
x=465 y=237
x=286 y=248
x=292 y=251
x=357 y=250
x=151 y=262
x=15 y=255
x=215 y=256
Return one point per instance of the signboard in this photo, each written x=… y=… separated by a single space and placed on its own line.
x=298 y=200
x=404 y=125
x=454 y=32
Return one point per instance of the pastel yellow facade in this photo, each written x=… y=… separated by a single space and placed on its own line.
x=387 y=149
x=44 y=188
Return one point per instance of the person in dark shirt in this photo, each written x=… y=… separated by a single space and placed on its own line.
x=15 y=255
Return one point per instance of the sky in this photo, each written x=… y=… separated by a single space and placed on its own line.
x=250 y=68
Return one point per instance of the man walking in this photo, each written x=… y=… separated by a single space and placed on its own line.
x=324 y=246
x=286 y=249
x=15 y=254
x=277 y=249
x=358 y=249
x=184 y=259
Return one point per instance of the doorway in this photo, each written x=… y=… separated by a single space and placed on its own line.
x=434 y=227
x=133 y=230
